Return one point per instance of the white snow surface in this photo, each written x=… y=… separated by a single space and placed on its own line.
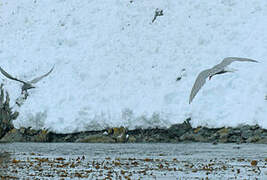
x=114 y=67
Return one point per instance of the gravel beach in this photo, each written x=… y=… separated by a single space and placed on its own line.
x=133 y=161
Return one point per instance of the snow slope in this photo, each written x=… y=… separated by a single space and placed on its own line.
x=114 y=67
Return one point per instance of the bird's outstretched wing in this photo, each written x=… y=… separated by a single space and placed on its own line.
x=226 y=61
x=229 y=60
x=9 y=76
x=35 y=80
x=200 y=81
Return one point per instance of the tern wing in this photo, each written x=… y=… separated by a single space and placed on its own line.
x=9 y=76
x=35 y=80
x=200 y=81
x=229 y=60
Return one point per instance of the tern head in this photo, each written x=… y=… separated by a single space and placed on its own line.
x=26 y=86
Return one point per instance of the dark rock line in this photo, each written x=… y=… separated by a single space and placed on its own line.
x=176 y=133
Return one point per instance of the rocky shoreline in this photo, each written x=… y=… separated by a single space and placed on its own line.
x=176 y=133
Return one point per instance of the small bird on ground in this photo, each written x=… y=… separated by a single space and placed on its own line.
x=26 y=84
x=217 y=69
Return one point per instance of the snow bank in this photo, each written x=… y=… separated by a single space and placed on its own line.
x=113 y=66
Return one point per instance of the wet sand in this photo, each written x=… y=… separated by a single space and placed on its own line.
x=133 y=161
